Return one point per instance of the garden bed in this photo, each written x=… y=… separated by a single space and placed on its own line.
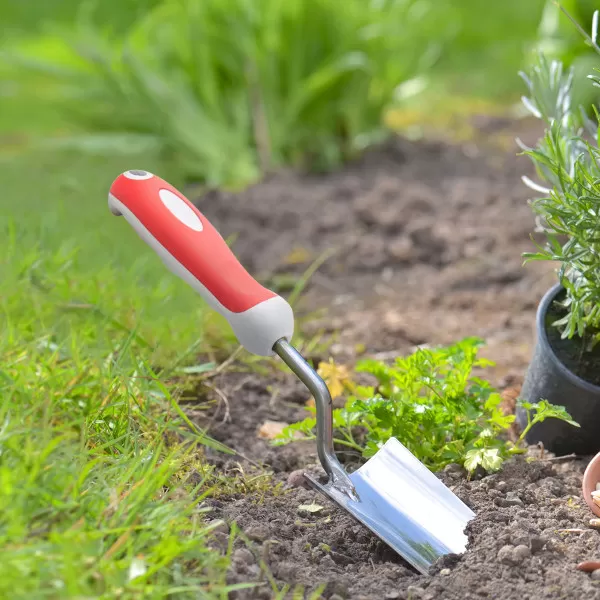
x=429 y=239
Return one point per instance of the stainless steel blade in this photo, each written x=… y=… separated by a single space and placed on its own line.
x=405 y=505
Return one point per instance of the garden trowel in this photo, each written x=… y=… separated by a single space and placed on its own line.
x=393 y=494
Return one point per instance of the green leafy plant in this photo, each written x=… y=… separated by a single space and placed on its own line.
x=233 y=88
x=568 y=213
x=543 y=410
x=431 y=402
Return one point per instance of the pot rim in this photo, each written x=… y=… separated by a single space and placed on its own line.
x=540 y=319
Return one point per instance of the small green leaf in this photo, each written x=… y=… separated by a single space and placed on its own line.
x=489 y=459
x=473 y=459
x=289 y=433
x=545 y=410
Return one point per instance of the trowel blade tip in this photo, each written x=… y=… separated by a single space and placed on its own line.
x=406 y=506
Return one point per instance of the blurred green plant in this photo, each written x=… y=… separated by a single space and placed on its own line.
x=33 y=16
x=560 y=40
x=233 y=88
x=230 y=89
x=557 y=37
x=490 y=42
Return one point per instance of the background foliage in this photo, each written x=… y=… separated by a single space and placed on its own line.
x=230 y=89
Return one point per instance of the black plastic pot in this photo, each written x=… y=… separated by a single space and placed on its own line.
x=548 y=378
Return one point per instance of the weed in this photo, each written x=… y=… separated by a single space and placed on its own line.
x=432 y=403
x=255 y=482
x=543 y=410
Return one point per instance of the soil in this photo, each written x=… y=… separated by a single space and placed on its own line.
x=584 y=364
x=429 y=236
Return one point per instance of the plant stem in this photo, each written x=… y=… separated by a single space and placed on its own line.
x=590 y=40
x=530 y=423
x=349 y=443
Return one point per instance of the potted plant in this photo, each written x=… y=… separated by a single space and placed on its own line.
x=565 y=367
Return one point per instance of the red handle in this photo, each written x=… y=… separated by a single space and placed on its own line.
x=189 y=237
x=194 y=250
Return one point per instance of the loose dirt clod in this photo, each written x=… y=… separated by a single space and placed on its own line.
x=501 y=486
x=536 y=543
x=219 y=526
x=243 y=555
x=521 y=552
x=415 y=591
x=506 y=554
x=512 y=499
x=258 y=533
x=296 y=479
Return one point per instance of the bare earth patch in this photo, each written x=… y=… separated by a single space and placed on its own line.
x=429 y=239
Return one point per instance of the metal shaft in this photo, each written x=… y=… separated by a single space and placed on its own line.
x=324 y=405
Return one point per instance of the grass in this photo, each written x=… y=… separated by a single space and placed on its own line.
x=34 y=16
x=94 y=495
x=77 y=264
